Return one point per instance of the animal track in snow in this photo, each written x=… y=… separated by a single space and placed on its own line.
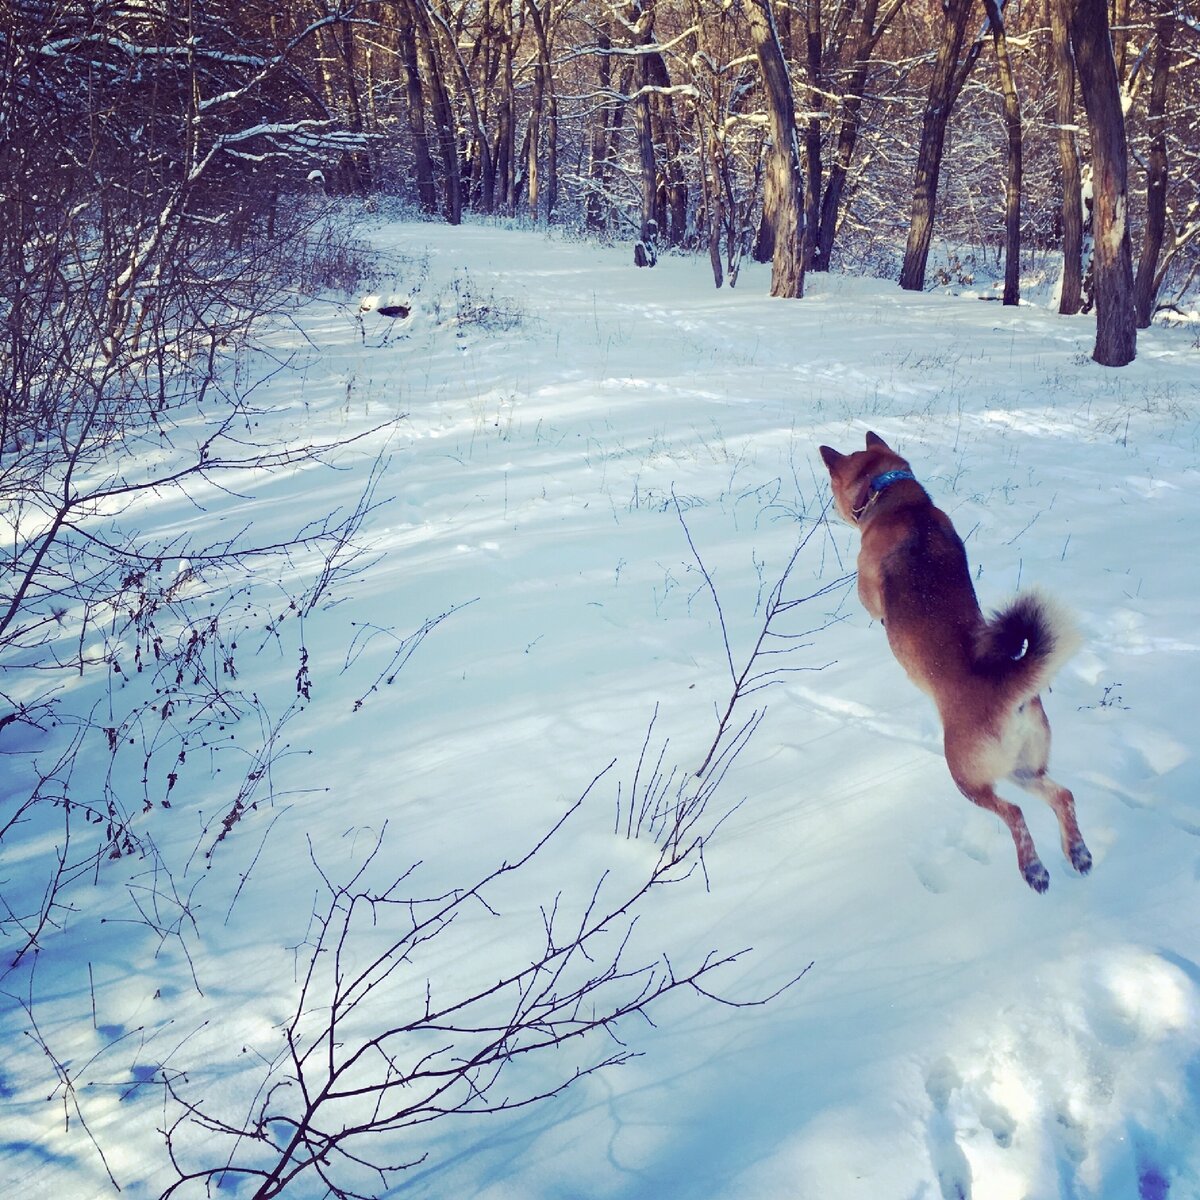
x=1089 y=1078
x=945 y=1154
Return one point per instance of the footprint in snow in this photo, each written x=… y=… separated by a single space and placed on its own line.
x=998 y=1121
x=933 y=875
x=935 y=867
x=945 y=1154
x=1072 y=1138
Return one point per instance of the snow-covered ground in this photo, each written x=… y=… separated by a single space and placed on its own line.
x=957 y=1036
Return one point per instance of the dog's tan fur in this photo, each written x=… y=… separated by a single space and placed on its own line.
x=984 y=674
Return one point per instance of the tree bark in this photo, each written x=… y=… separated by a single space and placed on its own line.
x=1070 y=298
x=944 y=87
x=1145 y=284
x=426 y=189
x=443 y=113
x=813 y=41
x=356 y=164
x=787 y=263
x=544 y=103
x=666 y=126
x=1116 y=331
x=606 y=113
x=641 y=18
x=870 y=31
x=1012 y=125
x=503 y=192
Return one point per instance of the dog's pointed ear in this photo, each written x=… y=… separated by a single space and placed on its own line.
x=831 y=456
x=873 y=439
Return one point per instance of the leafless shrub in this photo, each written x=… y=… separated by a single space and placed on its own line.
x=137 y=256
x=383 y=1042
x=371 y=1050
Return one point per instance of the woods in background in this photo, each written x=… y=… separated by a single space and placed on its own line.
x=814 y=133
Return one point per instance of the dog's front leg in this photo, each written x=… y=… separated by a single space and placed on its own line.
x=870 y=585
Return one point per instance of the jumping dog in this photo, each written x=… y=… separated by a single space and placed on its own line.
x=983 y=673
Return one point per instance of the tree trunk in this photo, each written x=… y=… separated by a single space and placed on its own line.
x=356 y=164
x=443 y=114
x=1070 y=297
x=503 y=193
x=1012 y=125
x=1116 y=331
x=543 y=103
x=426 y=189
x=605 y=114
x=711 y=194
x=431 y=17
x=641 y=20
x=647 y=166
x=839 y=172
x=533 y=139
x=1145 y=283
x=675 y=206
x=938 y=106
x=787 y=264
x=812 y=127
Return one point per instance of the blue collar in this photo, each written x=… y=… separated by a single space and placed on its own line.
x=877 y=485
x=888 y=478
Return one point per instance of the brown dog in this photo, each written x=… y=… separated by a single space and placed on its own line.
x=984 y=674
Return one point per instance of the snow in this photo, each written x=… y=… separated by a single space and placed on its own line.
x=564 y=414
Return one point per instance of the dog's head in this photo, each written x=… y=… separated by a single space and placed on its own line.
x=851 y=474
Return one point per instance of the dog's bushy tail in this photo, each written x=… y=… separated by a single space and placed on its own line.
x=1023 y=645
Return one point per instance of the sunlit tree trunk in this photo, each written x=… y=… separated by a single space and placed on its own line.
x=1145 y=286
x=666 y=133
x=870 y=32
x=1116 y=331
x=543 y=104
x=787 y=189
x=442 y=111
x=812 y=129
x=1012 y=125
x=1071 y=291
x=944 y=87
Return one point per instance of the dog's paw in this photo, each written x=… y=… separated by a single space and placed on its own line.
x=1081 y=858
x=1037 y=876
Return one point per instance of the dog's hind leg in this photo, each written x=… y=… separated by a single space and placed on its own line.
x=1030 y=774
x=1030 y=865
x=1060 y=799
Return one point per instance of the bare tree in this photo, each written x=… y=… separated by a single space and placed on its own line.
x=364 y=1056
x=946 y=82
x=379 y=1044
x=871 y=26
x=1116 y=331
x=731 y=146
x=1071 y=206
x=786 y=190
x=543 y=105
x=135 y=264
x=1012 y=125
x=1148 y=278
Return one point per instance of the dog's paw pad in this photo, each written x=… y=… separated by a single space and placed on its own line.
x=1081 y=858
x=1037 y=876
